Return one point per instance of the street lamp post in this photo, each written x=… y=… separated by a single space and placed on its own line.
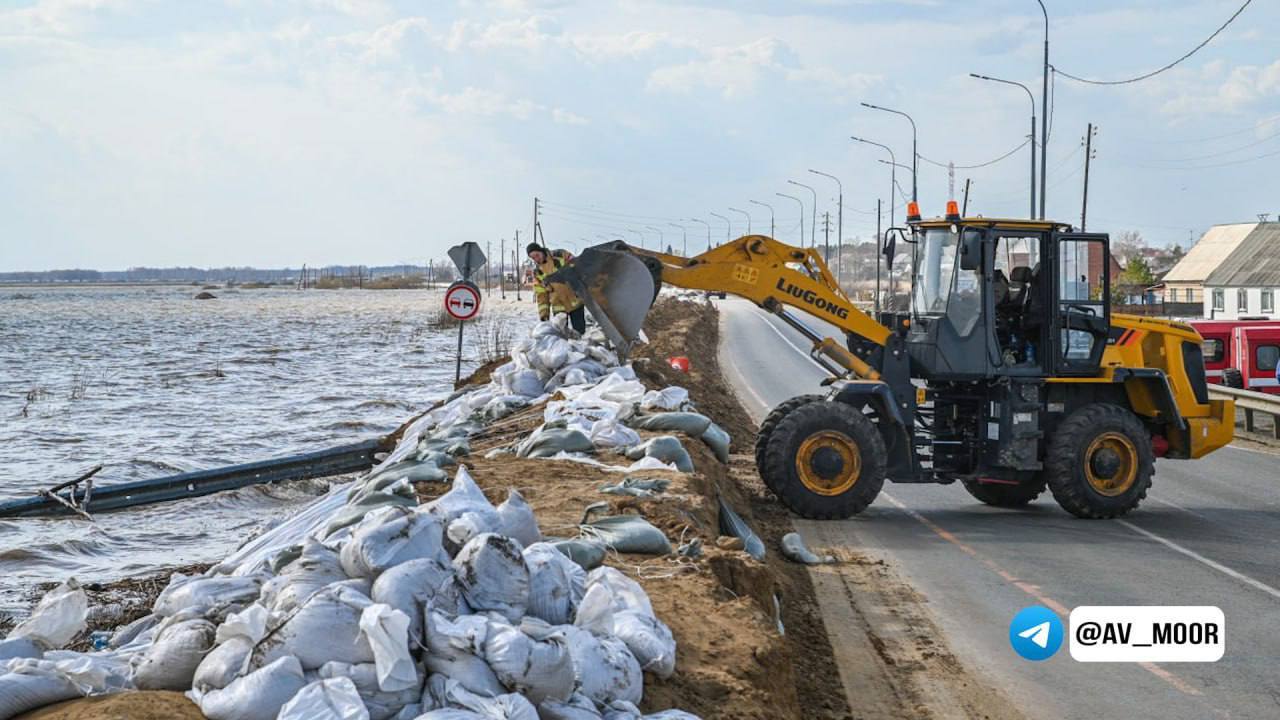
x=1032 y=98
x=914 y=156
x=639 y=235
x=813 y=227
x=745 y=214
x=839 y=223
x=704 y=222
x=1044 y=105
x=727 y=225
x=684 y=239
x=772 y=227
x=897 y=165
x=662 y=240
x=801 y=204
x=893 y=176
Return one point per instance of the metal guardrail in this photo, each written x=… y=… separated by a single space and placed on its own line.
x=1251 y=402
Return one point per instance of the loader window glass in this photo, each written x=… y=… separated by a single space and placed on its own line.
x=934 y=271
x=1081 y=297
x=964 y=308
x=1268 y=357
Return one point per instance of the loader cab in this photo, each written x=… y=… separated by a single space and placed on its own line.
x=1007 y=298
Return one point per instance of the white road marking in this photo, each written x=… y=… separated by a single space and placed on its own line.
x=787 y=340
x=1256 y=584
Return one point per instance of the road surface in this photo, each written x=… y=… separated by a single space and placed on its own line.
x=1207 y=534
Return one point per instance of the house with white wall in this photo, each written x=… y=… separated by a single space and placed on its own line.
x=1246 y=283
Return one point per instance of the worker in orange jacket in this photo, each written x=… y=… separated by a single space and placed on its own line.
x=558 y=297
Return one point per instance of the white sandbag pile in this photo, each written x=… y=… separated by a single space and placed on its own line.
x=366 y=605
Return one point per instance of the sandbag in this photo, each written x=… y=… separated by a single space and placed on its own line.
x=556 y=583
x=690 y=423
x=609 y=433
x=718 y=440
x=389 y=537
x=380 y=704
x=20 y=647
x=732 y=524
x=604 y=667
x=518 y=521
x=670 y=398
x=638 y=487
x=57 y=618
x=649 y=640
x=625 y=593
x=398 y=494
x=546 y=442
x=465 y=496
x=316 y=567
x=588 y=554
x=331 y=699
x=256 y=696
x=200 y=591
x=491 y=573
x=577 y=707
x=794 y=549
x=387 y=631
x=627 y=534
x=469 y=525
x=532 y=660
x=326 y=627
x=665 y=449
x=455 y=649
x=127 y=634
x=525 y=382
x=226 y=662
x=171 y=661
x=32 y=684
x=503 y=706
x=409 y=586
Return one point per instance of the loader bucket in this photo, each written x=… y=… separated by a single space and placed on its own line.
x=617 y=287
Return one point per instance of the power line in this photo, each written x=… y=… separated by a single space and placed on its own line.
x=1186 y=141
x=979 y=165
x=1157 y=71
x=1229 y=163
x=1221 y=153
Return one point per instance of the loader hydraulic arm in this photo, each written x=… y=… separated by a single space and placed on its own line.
x=772 y=274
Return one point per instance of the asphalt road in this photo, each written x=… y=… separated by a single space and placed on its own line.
x=1208 y=534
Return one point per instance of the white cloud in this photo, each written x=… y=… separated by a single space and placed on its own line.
x=565 y=117
x=1243 y=87
x=733 y=71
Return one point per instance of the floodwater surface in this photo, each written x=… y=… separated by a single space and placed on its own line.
x=148 y=381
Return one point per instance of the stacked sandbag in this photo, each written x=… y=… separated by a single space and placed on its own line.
x=366 y=605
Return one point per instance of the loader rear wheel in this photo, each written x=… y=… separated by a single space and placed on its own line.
x=825 y=460
x=1006 y=496
x=1100 y=462
x=770 y=423
x=1233 y=378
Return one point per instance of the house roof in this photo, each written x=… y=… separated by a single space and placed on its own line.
x=1215 y=246
x=1255 y=262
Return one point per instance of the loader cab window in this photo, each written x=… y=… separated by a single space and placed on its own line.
x=1083 y=309
x=1018 y=297
x=941 y=286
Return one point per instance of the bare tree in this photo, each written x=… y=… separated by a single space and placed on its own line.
x=1127 y=244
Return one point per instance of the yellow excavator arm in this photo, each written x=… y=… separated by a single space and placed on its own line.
x=765 y=271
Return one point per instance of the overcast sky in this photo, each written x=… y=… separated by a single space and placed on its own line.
x=278 y=132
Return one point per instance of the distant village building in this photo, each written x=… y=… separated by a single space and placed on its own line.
x=1246 y=282
x=1186 y=281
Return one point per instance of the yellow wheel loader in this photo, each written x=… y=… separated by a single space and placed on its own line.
x=1008 y=373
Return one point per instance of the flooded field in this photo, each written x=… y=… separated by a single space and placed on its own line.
x=147 y=381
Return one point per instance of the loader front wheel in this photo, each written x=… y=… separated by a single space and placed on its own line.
x=1006 y=496
x=825 y=461
x=770 y=424
x=1100 y=462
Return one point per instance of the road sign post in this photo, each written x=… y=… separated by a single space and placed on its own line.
x=462 y=299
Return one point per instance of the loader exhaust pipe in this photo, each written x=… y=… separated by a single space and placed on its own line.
x=617 y=287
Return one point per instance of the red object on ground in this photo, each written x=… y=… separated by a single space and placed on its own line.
x=680 y=363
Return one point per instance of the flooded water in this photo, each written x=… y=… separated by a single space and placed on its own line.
x=147 y=381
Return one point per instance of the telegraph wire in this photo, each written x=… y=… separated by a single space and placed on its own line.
x=1157 y=71
x=979 y=165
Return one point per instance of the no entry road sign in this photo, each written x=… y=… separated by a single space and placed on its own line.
x=462 y=300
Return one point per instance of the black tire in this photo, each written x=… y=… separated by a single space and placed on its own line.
x=1090 y=443
x=840 y=450
x=767 y=427
x=1233 y=378
x=1006 y=496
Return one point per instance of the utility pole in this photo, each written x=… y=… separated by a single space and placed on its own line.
x=839 y=224
x=878 y=256
x=826 y=238
x=502 y=267
x=488 y=268
x=965 y=211
x=519 y=272
x=1088 y=155
x=1044 y=108
x=537 y=229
